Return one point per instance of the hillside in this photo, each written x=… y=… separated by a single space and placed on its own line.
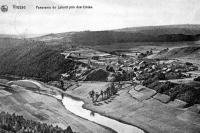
x=183 y=52
x=168 y=33
x=165 y=29
x=111 y=37
x=34 y=59
x=7 y=42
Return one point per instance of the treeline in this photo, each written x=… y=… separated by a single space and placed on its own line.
x=183 y=92
x=105 y=94
x=17 y=124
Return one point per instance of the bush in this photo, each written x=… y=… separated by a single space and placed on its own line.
x=188 y=64
x=163 y=87
x=197 y=79
x=159 y=76
x=110 y=69
x=144 y=76
x=97 y=75
x=152 y=83
x=173 y=75
x=189 y=96
x=185 y=93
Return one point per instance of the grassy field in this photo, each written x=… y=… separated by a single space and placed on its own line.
x=142 y=108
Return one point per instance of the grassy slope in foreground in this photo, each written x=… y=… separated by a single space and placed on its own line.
x=37 y=106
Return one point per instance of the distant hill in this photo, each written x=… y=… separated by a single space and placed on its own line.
x=111 y=37
x=165 y=29
x=169 y=33
x=6 y=42
x=8 y=36
x=20 y=36
x=54 y=36
x=184 y=52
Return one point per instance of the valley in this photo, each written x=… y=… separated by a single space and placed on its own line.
x=146 y=80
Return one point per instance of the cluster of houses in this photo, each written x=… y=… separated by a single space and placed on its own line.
x=140 y=68
x=127 y=68
x=170 y=69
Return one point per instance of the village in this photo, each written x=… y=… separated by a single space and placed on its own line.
x=127 y=86
x=117 y=69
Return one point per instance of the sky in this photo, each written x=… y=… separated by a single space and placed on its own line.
x=104 y=15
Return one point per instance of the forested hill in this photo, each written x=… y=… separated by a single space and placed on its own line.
x=34 y=59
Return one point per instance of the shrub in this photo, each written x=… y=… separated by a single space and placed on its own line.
x=173 y=75
x=184 y=92
x=163 y=87
x=197 y=79
x=153 y=83
x=189 y=96
x=97 y=75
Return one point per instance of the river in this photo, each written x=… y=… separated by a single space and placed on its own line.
x=75 y=106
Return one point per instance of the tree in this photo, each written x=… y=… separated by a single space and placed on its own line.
x=110 y=68
x=97 y=96
x=62 y=84
x=197 y=79
x=91 y=94
x=112 y=88
x=105 y=94
x=101 y=94
x=68 y=130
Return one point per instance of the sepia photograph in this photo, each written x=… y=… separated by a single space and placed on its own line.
x=99 y=66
